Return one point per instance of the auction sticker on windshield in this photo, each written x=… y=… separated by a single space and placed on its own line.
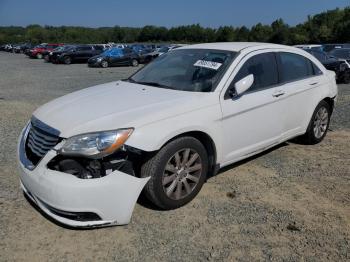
x=208 y=64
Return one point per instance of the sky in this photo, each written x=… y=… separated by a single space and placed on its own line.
x=138 y=13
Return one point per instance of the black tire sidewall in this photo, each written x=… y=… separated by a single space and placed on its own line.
x=310 y=134
x=104 y=62
x=67 y=60
x=134 y=64
x=165 y=154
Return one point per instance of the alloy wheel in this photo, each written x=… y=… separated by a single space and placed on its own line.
x=182 y=173
x=320 y=122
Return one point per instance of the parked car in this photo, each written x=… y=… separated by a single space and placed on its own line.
x=25 y=47
x=137 y=48
x=310 y=47
x=329 y=47
x=343 y=53
x=147 y=55
x=85 y=157
x=115 y=57
x=51 y=56
x=37 y=52
x=166 y=49
x=8 y=48
x=80 y=53
x=20 y=48
x=341 y=67
x=16 y=48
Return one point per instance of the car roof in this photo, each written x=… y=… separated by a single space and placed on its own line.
x=236 y=46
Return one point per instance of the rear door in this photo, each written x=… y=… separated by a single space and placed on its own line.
x=254 y=120
x=127 y=56
x=116 y=57
x=86 y=53
x=300 y=81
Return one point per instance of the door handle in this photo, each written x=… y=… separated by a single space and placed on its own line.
x=278 y=93
x=312 y=84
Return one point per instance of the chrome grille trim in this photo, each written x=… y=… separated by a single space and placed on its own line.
x=37 y=139
x=42 y=137
x=39 y=142
x=48 y=129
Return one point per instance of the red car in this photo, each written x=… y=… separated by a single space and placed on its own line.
x=37 y=52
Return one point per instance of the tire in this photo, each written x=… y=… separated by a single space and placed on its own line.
x=104 y=64
x=134 y=62
x=318 y=125
x=39 y=56
x=346 y=78
x=67 y=60
x=182 y=184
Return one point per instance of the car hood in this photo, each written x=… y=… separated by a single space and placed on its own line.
x=118 y=105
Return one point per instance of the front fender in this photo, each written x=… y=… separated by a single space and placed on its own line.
x=153 y=136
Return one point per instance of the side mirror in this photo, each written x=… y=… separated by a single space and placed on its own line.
x=244 y=84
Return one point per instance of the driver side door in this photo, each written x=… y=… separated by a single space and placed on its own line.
x=252 y=121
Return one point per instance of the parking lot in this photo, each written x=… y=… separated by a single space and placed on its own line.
x=291 y=203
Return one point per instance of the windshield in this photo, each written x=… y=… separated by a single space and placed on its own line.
x=164 y=49
x=60 y=48
x=341 y=53
x=196 y=70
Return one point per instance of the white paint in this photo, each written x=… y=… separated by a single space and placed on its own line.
x=239 y=128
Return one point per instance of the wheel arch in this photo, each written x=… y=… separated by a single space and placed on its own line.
x=330 y=102
x=207 y=142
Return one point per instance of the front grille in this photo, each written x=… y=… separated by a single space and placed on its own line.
x=39 y=142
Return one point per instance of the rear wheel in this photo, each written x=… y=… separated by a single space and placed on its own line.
x=177 y=173
x=39 y=56
x=318 y=125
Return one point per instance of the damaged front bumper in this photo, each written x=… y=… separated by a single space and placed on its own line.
x=76 y=202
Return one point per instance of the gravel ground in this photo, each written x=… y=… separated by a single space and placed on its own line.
x=291 y=203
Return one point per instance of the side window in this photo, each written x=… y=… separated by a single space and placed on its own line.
x=294 y=67
x=84 y=48
x=98 y=47
x=316 y=70
x=264 y=69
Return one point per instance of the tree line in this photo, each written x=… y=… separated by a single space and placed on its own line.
x=327 y=27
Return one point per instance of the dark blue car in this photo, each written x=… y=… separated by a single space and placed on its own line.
x=115 y=57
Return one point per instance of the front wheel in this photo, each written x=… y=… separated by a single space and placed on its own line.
x=104 y=64
x=39 y=56
x=318 y=125
x=177 y=173
x=134 y=62
x=67 y=60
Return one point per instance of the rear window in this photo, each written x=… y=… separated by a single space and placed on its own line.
x=294 y=67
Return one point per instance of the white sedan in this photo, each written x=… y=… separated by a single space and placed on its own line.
x=85 y=157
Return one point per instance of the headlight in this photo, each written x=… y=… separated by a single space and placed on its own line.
x=96 y=145
x=99 y=59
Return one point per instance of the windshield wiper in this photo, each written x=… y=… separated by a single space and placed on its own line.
x=155 y=84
